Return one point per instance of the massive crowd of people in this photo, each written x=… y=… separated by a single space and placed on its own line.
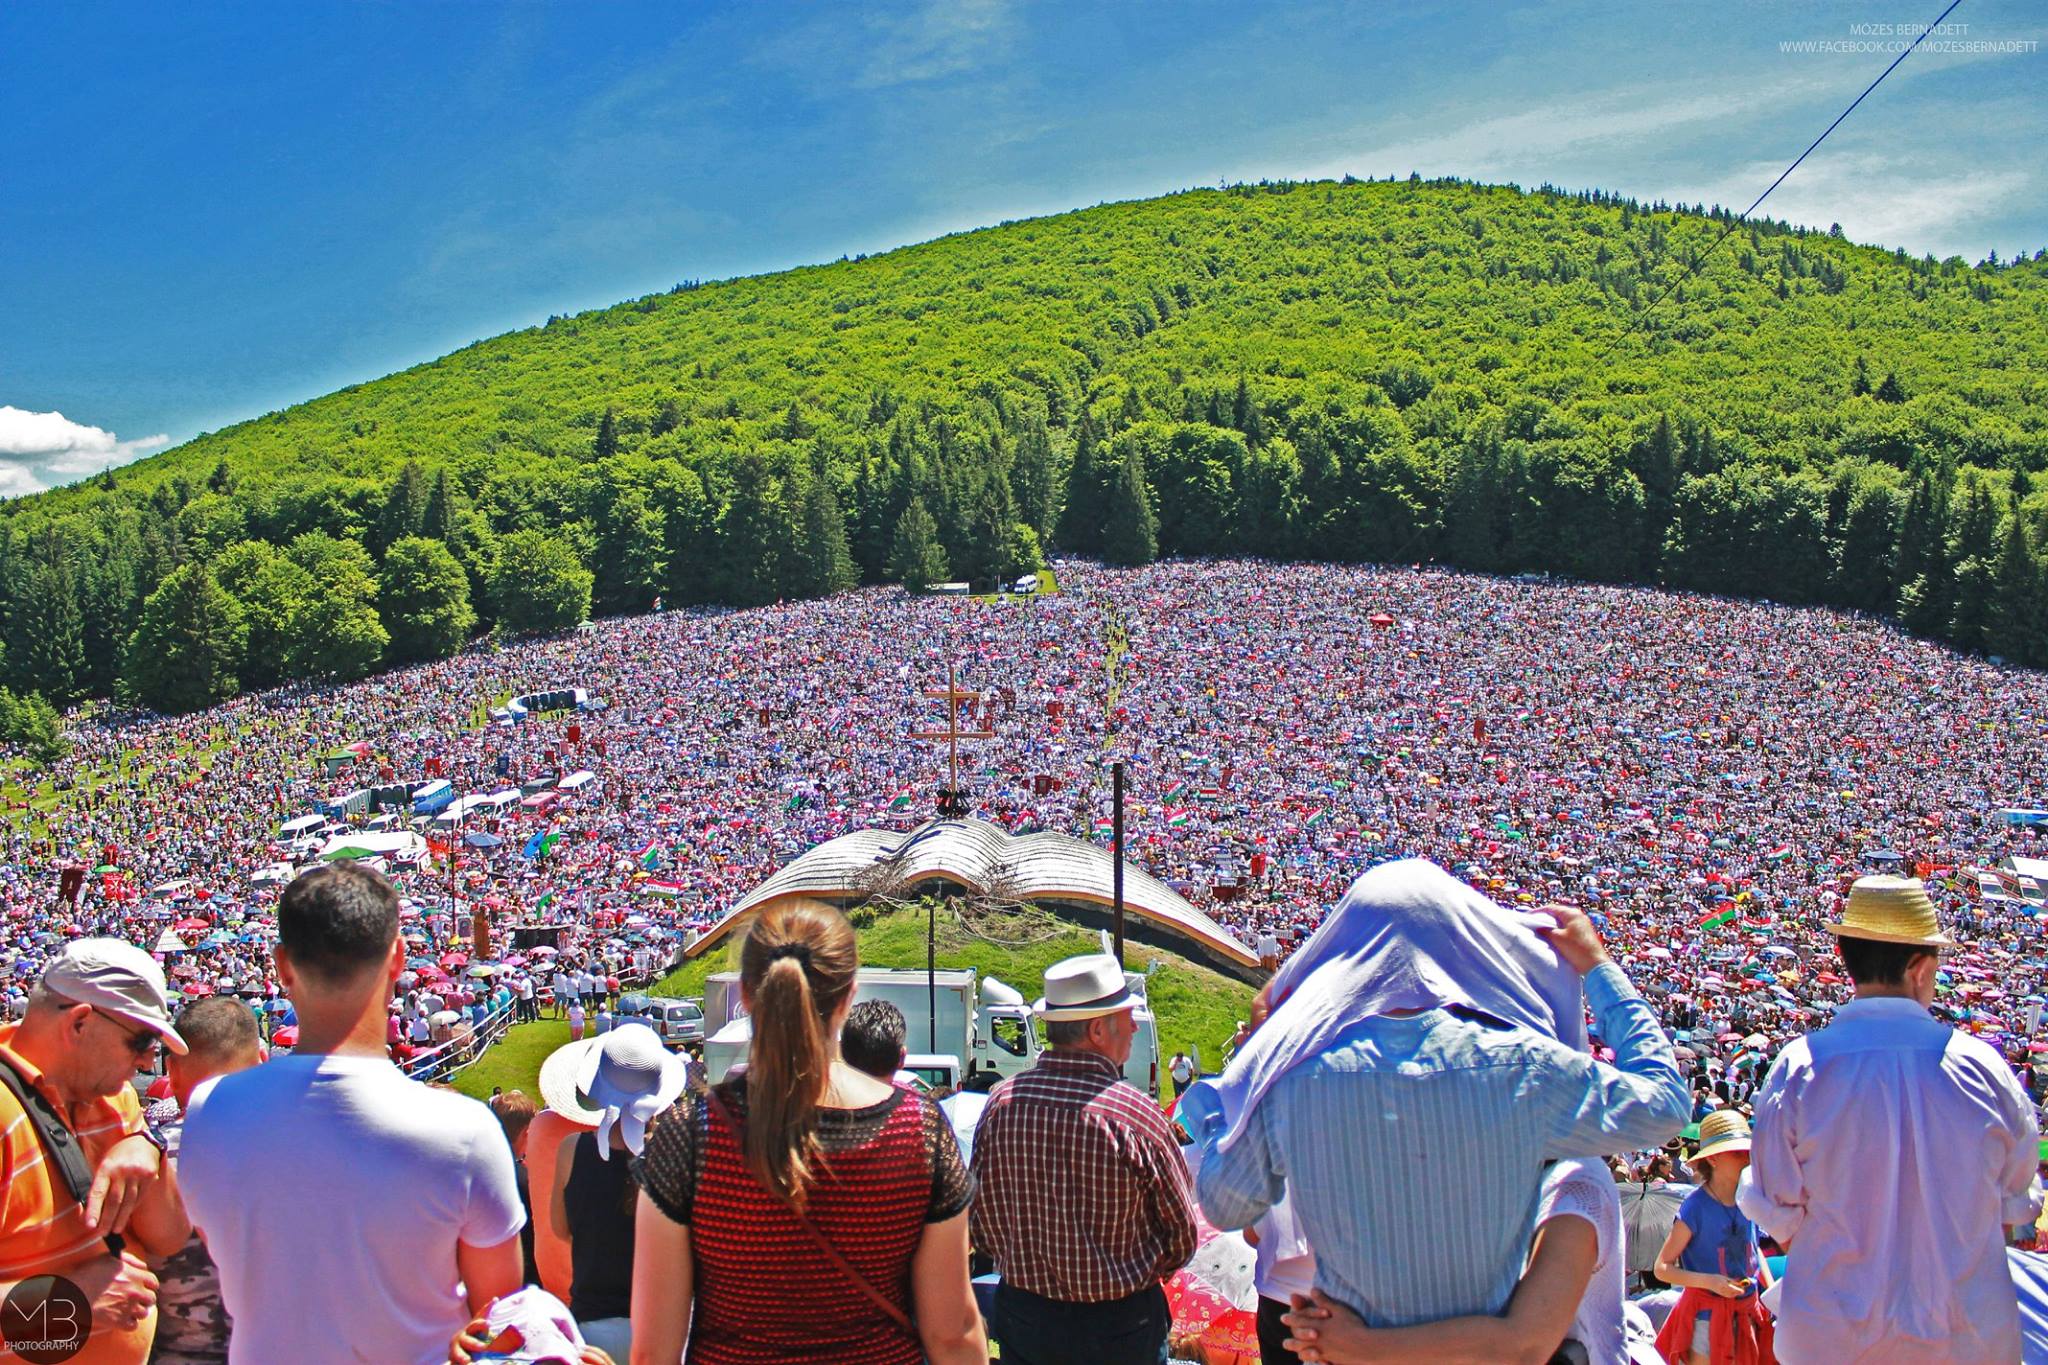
x=1703 y=779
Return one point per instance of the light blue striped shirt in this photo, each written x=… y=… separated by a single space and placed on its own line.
x=1414 y=1147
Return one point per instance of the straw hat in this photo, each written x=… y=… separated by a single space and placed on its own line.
x=1724 y=1130
x=1890 y=910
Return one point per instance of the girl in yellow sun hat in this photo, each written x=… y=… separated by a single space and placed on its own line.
x=1713 y=1256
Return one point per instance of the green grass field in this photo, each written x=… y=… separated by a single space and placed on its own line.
x=1197 y=1008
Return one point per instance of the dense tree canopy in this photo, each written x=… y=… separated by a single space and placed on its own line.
x=1393 y=371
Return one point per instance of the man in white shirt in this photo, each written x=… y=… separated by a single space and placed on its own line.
x=355 y=1215
x=1888 y=1152
x=1269 y=949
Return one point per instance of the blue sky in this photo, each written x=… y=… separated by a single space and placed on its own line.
x=208 y=211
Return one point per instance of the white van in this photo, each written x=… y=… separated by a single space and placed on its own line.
x=300 y=827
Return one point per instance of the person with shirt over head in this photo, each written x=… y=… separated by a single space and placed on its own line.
x=355 y=1215
x=800 y=1209
x=1889 y=1153
x=192 y=1325
x=1425 y=1055
x=1084 y=1200
x=94 y=1018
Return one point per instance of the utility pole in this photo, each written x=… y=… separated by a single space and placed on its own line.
x=1116 y=852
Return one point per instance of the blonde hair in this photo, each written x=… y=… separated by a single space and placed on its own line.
x=797 y=966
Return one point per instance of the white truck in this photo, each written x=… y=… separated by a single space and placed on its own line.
x=984 y=1023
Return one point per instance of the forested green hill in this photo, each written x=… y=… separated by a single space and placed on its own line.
x=1394 y=370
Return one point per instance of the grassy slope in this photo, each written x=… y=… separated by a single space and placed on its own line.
x=1196 y=1007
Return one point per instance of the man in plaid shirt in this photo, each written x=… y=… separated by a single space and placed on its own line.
x=1083 y=1198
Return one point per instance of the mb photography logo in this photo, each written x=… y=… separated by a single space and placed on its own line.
x=45 y=1320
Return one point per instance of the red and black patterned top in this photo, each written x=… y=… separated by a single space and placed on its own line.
x=1082 y=1194
x=764 y=1291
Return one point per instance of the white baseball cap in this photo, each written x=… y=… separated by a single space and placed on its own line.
x=116 y=977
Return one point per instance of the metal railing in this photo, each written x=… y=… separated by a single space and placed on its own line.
x=446 y=1060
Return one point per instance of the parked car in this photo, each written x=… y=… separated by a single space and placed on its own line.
x=677 y=1021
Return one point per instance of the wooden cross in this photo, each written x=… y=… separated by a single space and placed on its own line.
x=949 y=799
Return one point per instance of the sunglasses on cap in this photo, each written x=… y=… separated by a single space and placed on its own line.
x=140 y=1042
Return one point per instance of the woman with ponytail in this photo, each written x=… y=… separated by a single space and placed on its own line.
x=801 y=1210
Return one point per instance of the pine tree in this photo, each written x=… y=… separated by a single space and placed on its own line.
x=607 y=443
x=1859 y=383
x=1891 y=390
x=405 y=509
x=666 y=418
x=990 y=552
x=916 y=559
x=756 y=537
x=2019 y=612
x=1081 y=521
x=1655 y=462
x=630 y=542
x=1973 y=549
x=45 y=623
x=689 y=542
x=444 y=504
x=1926 y=574
x=870 y=528
x=1131 y=527
x=1033 y=481
x=825 y=563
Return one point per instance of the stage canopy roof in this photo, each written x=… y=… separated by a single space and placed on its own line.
x=1061 y=873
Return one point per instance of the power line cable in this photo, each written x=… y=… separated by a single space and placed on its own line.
x=1740 y=218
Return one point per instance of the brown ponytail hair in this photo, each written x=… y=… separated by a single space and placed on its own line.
x=797 y=968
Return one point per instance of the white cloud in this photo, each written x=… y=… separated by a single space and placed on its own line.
x=1921 y=202
x=940 y=38
x=39 y=450
x=933 y=39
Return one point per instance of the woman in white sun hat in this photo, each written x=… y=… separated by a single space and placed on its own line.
x=618 y=1082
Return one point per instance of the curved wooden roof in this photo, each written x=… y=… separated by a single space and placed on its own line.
x=1054 y=870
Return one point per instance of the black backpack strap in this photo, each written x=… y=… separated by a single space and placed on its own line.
x=60 y=1145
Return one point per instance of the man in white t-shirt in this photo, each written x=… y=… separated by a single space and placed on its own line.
x=355 y=1215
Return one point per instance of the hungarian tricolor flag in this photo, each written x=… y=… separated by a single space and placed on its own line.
x=1719 y=918
x=660 y=888
x=648 y=855
x=1779 y=854
x=1176 y=816
x=1316 y=818
x=1176 y=789
x=902 y=799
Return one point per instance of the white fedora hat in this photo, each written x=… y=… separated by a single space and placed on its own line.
x=1084 y=988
